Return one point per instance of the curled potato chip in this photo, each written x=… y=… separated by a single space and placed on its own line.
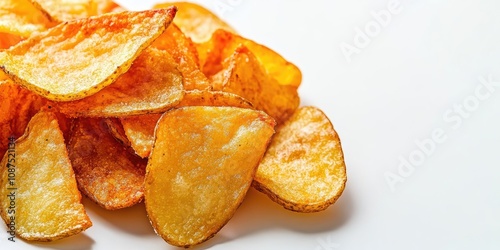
x=105 y=171
x=198 y=175
x=152 y=84
x=244 y=75
x=21 y=18
x=65 y=10
x=303 y=169
x=140 y=129
x=223 y=44
x=17 y=107
x=38 y=190
x=195 y=21
x=185 y=54
x=80 y=57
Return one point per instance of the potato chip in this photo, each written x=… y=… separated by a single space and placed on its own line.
x=223 y=44
x=195 y=21
x=21 y=18
x=244 y=75
x=140 y=129
x=17 y=106
x=65 y=10
x=105 y=171
x=303 y=169
x=198 y=175
x=115 y=128
x=80 y=57
x=152 y=84
x=39 y=198
x=185 y=54
x=8 y=40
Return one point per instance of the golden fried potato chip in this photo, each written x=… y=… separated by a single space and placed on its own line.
x=152 y=84
x=140 y=129
x=17 y=106
x=195 y=21
x=303 y=169
x=21 y=18
x=223 y=44
x=8 y=40
x=244 y=75
x=198 y=175
x=39 y=198
x=115 y=128
x=185 y=54
x=105 y=171
x=80 y=57
x=66 y=10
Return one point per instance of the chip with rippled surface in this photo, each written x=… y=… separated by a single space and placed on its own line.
x=80 y=57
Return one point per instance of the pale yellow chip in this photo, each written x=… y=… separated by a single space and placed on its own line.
x=303 y=169
x=38 y=191
x=197 y=175
x=21 y=18
x=195 y=21
x=139 y=130
x=78 y=58
x=106 y=172
x=223 y=44
x=151 y=85
x=65 y=10
x=244 y=75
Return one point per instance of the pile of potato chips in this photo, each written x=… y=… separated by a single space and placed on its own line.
x=168 y=106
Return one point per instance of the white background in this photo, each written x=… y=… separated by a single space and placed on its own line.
x=408 y=81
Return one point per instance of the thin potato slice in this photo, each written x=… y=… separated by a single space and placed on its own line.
x=244 y=75
x=152 y=84
x=78 y=58
x=21 y=18
x=222 y=45
x=65 y=10
x=45 y=204
x=105 y=171
x=185 y=54
x=140 y=129
x=195 y=21
x=17 y=107
x=198 y=175
x=303 y=169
